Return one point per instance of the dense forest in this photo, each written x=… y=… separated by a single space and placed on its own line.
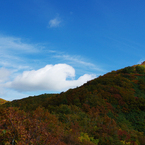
x=109 y=110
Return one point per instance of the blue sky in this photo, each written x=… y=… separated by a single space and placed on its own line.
x=49 y=46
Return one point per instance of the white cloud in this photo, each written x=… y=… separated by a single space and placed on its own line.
x=9 y=94
x=4 y=74
x=14 y=43
x=78 y=60
x=140 y=61
x=59 y=77
x=14 y=53
x=54 y=22
x=20 y=74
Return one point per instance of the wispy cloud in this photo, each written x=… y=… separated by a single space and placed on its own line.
x=13 y=43
x=13 y=52
x=141 y=61
x=55 y=22
x=78 y=60
x=22 y=69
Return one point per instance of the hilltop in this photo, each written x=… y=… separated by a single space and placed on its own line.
x=2 y=101
x=109 y=110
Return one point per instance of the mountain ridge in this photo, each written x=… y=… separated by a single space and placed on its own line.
x=107 y=110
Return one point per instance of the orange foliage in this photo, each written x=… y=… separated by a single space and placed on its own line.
x=40 y=128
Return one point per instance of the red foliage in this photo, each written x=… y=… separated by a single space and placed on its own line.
x=119 y=98
x=39 y=128
x=109 y=106
x=136 y=98
x=123 y=135
x=135 y=81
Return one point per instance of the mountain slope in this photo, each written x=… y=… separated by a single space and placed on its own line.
x=2 y=101
x=120 y=93
x=107 y=110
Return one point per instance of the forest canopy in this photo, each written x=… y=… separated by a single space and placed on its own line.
x=109 y=110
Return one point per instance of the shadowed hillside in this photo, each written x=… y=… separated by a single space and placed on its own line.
x=109 y=110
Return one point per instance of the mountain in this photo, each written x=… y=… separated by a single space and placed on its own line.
x=2 y=101
x=109 y=110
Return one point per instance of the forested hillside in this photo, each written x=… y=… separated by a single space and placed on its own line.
x=2 y=101
x=109 y=110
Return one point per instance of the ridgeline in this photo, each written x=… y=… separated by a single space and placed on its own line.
x=109 y=110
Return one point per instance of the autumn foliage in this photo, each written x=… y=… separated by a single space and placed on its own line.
x=109 y=110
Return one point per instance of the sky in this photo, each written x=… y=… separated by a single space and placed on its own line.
x=50 y=46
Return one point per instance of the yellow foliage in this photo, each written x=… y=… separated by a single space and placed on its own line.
x=84 y=136
x=129 y=143
x=125 y=143
x=2 y=101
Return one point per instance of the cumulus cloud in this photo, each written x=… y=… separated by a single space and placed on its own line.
x=59 y=77
x=4 y=74
x=54 y=22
